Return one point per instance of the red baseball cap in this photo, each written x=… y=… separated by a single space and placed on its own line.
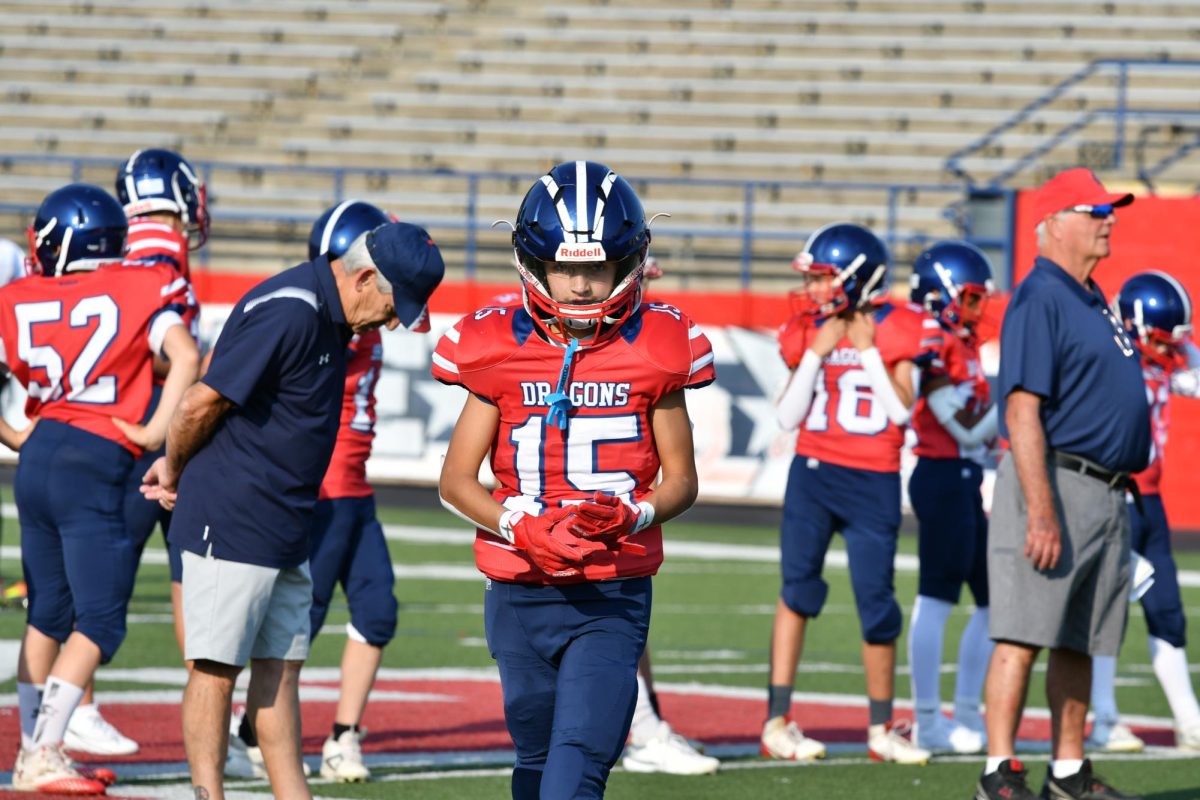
x=1075 y=187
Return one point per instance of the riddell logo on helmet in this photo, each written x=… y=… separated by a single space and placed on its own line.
x=580 y=252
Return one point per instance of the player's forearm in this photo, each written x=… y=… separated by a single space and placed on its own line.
x=466 y=498
x=1028 y=441
x=183 y=368
x=674 y=495
x=892 y=390
x=797 y=397
x=195 y=419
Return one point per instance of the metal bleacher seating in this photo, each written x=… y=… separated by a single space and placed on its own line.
x=291 y=104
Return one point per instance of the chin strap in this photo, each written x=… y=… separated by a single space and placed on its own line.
x=560 y=403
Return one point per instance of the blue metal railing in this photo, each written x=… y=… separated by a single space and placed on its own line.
x=1120 y=112
x=746 y=230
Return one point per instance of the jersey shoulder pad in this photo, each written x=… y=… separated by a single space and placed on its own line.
x=906 y=332
x=793 y=339
x=667 y=338
x=478 y=341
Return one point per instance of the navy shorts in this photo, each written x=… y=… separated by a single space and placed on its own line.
x=952 y=528
x=75 y=549
x=864 y=506
x=348 y=547
x=568 y=660
x=1162 y=604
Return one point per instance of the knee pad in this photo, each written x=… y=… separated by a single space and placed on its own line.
x=806 y=598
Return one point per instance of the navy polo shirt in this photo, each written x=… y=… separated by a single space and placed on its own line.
x=1061 y=342
x=249 y=491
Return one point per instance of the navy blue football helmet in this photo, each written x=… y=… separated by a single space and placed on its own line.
x=952 y=280
x=76 y=228
x=1156 y=309
x=337 y=228
x=584 y=213
x=856 y=259
x=160 y=180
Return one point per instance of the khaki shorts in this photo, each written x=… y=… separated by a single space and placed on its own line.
x=1082 y=604
x=233 y=612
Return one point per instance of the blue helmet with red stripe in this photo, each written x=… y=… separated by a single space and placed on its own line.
x=76 y=228
x=337 y=228
x=854 y=260
x=952 y=280
x=1156 y=309
x=584 y=213
x=156 y=180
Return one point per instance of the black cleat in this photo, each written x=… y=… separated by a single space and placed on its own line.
x=1083 y=785
x=1006 y=783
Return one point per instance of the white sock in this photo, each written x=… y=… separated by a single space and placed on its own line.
x=29 y=700
x=1104 y=689
x=974 y=654
x=645 y=721
x=925 y=632
x=1171 y=667
x=994 y=762
x=1066 y=767
x=58 y=703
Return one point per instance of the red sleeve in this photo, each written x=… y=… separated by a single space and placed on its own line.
x=445 y=355
x=908 y=333
x=675 y=345
x=701 y=370
x=793 y=339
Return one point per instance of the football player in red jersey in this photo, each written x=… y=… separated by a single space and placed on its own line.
x=854 y=355
x=954 y=422
x=1157 y=312
x=577 y=395
x=80 y=335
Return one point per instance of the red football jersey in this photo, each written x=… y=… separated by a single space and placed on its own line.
x=347 y=472
x=608 y=444
x=845 y=425
x=151 y=242
x=1158 y=393
x=959 y=363
x=81 y=344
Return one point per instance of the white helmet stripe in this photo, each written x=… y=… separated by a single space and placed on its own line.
x=327 y=234
x=873 y=281
x=564 y=216
x=946 y=279
x=849 y=271
x=130 y=185
x=179 y=201
x=62 y=254
x=605 y=188
x=581 y=198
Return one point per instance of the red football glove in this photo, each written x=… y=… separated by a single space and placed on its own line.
x=535 y=535
x=604 y=518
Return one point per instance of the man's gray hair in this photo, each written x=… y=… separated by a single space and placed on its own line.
x=357 y=258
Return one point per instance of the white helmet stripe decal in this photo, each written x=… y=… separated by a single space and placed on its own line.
x=873 y=281
x=946 y=279
x=849 y=271
x=327 y=234
x=598 y=222
x=564 y=216
x=130 y=185
x=581 y=198
x=62 y=254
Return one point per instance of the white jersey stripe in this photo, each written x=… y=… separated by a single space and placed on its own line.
x=445 y=363
x=452 y=334
x=163 y=244
x=701 y=362
x=695 y=332
x=174 y=286
x=293 y=292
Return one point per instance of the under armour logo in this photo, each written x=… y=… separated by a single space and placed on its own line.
x=323 y=359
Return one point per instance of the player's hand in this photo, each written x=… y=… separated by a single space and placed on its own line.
x=604 y=518
x=140 y=435
x=860 y=330
x=159 y=484
x=1043 y=542
x=542 y=537
x=828 y=335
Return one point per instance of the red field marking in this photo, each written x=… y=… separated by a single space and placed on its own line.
x=474 y=721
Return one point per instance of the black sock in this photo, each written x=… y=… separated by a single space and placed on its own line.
x=779 y=701
x=880 y=711
x=246 y=732
x=654 y=703
x=339 y=729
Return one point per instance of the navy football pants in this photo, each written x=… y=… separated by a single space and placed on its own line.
x=1162 y=604
x=75 y=549
x=952 y=541
x=568 y=666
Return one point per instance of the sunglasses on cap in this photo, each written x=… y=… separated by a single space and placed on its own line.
x=1095 y=212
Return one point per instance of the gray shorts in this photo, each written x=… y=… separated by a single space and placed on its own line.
x=1082 y=603
x=233 y=612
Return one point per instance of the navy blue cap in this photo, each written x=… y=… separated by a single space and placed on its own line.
x=410 y=261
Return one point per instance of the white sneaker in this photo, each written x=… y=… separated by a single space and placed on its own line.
x=667 y=752
x=1114 y=737
x=888 y=743
x=782 y=738
x=88 y=732
x=1188 y=738
x=341 y=758
x=946 y=736
x=47 y=769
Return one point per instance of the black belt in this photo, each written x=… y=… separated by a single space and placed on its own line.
x=1114 y=480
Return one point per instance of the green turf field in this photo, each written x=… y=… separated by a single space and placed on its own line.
x=711 y=625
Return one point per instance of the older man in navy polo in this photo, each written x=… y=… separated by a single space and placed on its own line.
x=1073 y=405
x=248 y=447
